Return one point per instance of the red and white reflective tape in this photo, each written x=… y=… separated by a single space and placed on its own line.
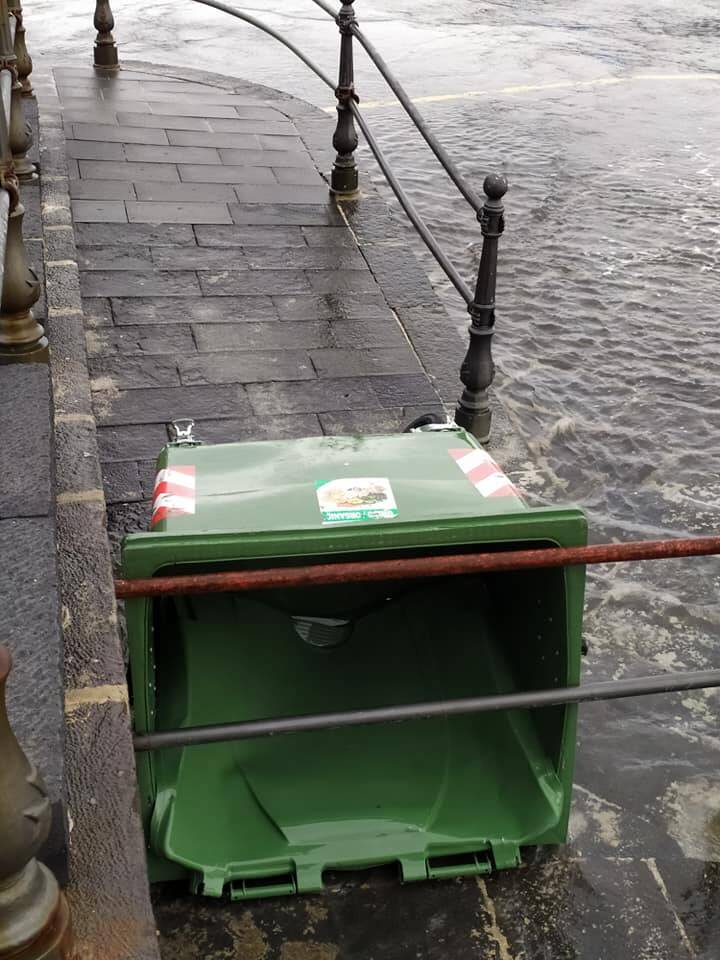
x=174 y=493
x=483 y=473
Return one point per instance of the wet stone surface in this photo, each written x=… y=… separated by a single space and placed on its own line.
x=639 y=879
x=249 y=308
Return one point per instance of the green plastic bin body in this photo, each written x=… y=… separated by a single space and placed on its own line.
x=441 y=797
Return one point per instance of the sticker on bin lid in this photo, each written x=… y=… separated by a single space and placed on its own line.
x=174 y=493
x=355 y=499
x=483 y=473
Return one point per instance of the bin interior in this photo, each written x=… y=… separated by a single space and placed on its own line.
x=442 y=796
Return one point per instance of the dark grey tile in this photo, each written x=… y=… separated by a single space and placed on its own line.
x=121 y=482
x=162 y=122
x=267 y=335
x=196 y=138
x=132 y=442
x=131 y=284
x=252 y=366
x=200 y=258
x=92 y=150
x=265 y=158
x=367 y=422
x=299 y=175
x=333 y=306
x=162 y=310
x=312 y=396
x=109 y=170
x=99 y=211
x=259 y=125
x=120 y=133
x=403 y=390
x=97 y=234
x=304 y=258
x=235 y=236
x=175 y=338
x=328 y=236
x=99 y=113
x=247 y=111
x=102 y=190
x=98 y=312
x=229 y=283
x=127 y=372
x=208 y=173
x=160 y=404
x=188 y=109
x=364 y=362
x=364 y=334
x=115 y=257
x=282 y=143
x=141 y=153
x=185 y=192
x=281 y=194
x=342 y=281
x=141 y=211
x=277 y=213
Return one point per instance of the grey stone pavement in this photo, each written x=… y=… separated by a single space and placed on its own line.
x=220 y=282
x=218 y=279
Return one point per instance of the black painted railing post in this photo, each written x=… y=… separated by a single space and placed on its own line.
x=477 y=370
x=106 y=54
x=344 y=176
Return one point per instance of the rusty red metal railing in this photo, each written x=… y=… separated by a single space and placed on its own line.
x=320 y=574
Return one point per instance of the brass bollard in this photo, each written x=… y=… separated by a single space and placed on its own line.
x=34 y=916
x=22 y=338
x=21 y=138
x=20 y=132
x=24 y=62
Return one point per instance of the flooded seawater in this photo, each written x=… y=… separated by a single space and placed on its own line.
x=604 y=117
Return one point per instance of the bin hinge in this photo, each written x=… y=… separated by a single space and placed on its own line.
x=249 y=888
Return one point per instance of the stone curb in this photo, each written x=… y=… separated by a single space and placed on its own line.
x=108 y=889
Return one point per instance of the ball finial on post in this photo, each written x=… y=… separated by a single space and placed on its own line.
x=478 y=370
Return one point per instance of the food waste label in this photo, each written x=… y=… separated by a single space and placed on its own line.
x=355 y=499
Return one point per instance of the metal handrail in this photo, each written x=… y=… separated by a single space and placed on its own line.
x=412 y=111
x=525 y=700
x=405 y=201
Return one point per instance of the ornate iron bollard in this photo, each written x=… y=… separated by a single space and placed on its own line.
x=20 y=131
x=106 y=54
x=34 y=917
x=24 y=62
x=477 y=371
x=344 y=177
x=22 y=338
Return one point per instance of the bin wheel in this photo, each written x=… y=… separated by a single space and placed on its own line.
x=425 y=421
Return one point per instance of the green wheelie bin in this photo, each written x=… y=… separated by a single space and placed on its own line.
x=440 y=797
